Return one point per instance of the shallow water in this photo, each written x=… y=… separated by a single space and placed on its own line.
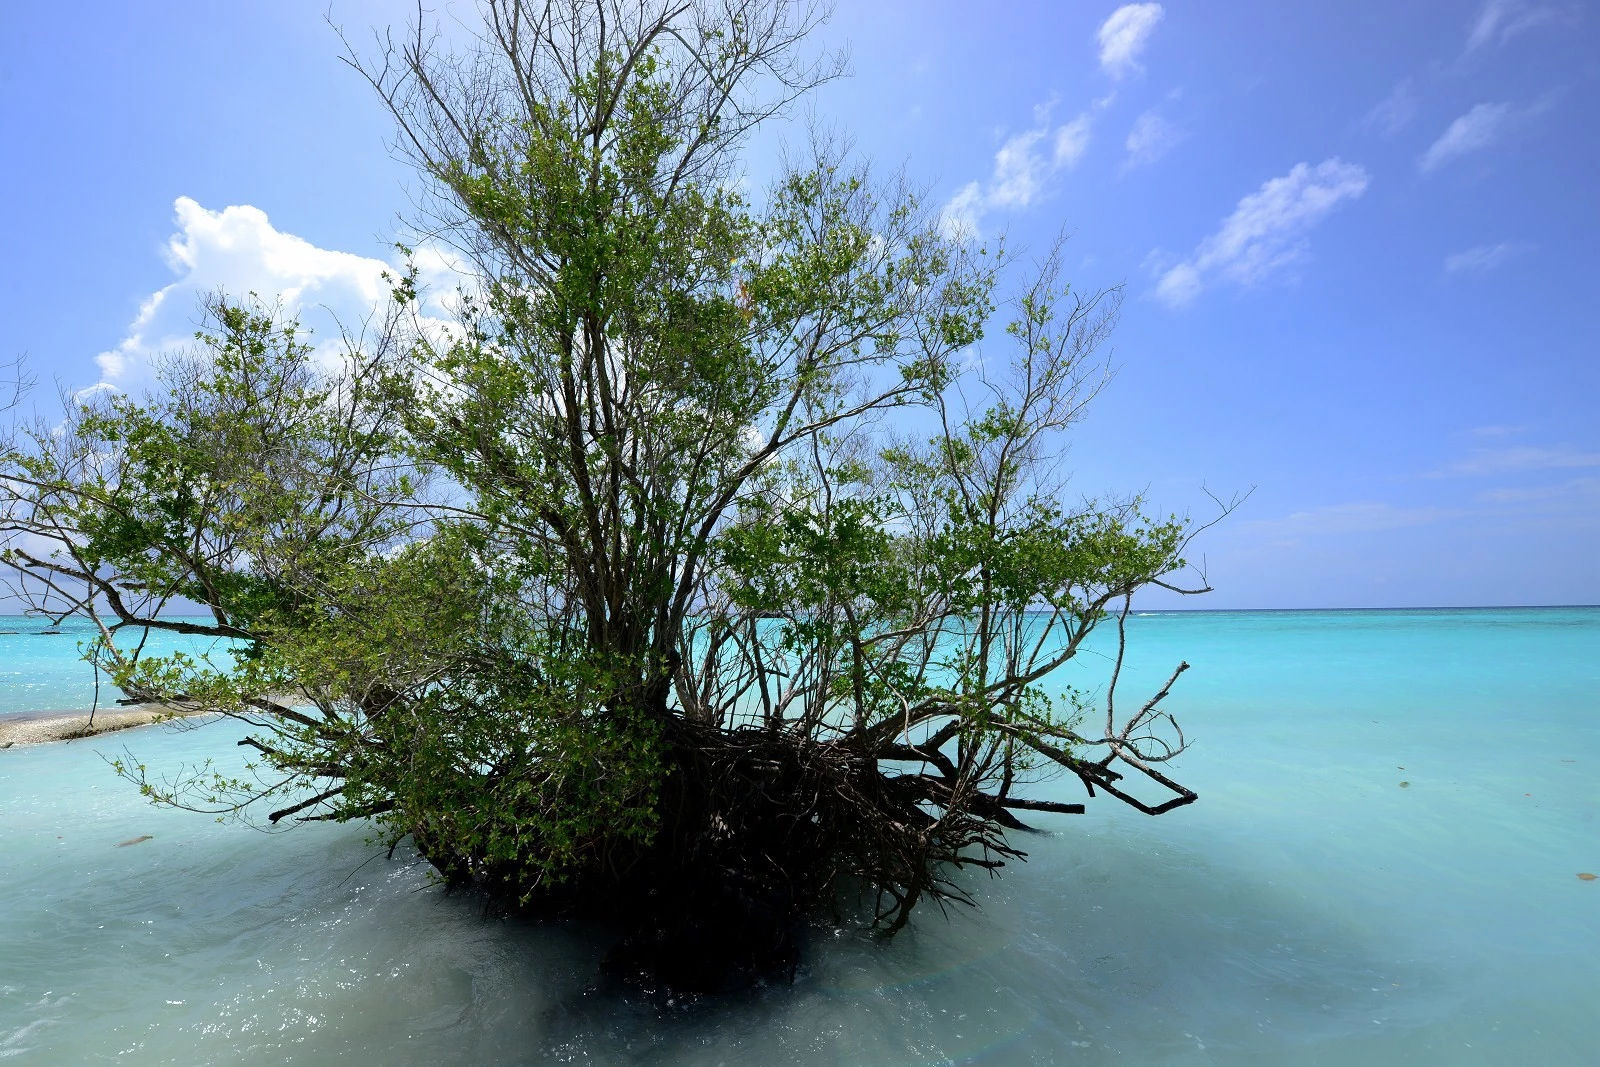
x=1309 y=909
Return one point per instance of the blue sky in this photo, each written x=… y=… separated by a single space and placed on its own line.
x=1359 y=241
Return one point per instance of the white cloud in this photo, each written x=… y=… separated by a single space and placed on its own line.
x=1496 y=430
x=1520 y=458
x=1122 y=37
x=114 y=364
x=1072 y=140
x=1488 y=20
x=1394 y=112
x=1267 y=230
x=238 y=251
x=1019 y=170
x=962 y=214
x=1354 y=518
x=88 y=393
x=1026 y=162
x=1578 y=490
x=1578 y=496
x=1150 y=138
x=1472 y=132
x=1179 y=285
x=1023 y=167
x=1500 y=20
x=1483 y=258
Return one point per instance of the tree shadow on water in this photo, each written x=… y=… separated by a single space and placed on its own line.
x=1106 y=946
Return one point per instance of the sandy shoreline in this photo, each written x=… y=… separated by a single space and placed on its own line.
x=37 y=728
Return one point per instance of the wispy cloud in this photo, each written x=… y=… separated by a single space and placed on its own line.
x=1019 y=171
x=1394 y=112
x=1500 y=20
x=1475 y=131
x=1267 y=230
x=1497 y=430
x=1575 y=496
x=1472 y=132
x=1520 y=458
x=1354 y=518
x=1150 y=138
x=963 y=213
x=1574 y=491
x=1023 y=168
x=1483 y=258
x=1071 y=140
x=1123 y=36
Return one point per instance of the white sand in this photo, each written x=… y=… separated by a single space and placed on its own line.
x=66 y=725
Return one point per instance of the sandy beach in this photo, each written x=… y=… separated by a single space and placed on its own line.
x=41 y=727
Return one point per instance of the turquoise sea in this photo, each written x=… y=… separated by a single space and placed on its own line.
x=42 y=666
x=1382 y=868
